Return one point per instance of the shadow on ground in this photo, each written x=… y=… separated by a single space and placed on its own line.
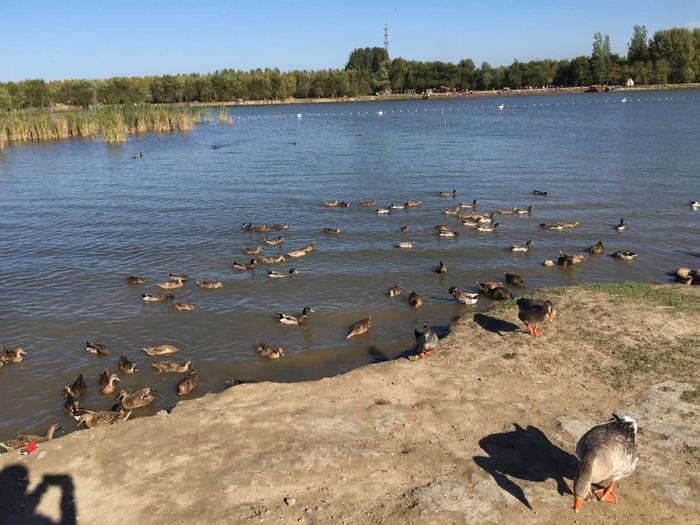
x=497 y=326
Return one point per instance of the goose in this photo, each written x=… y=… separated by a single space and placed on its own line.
x=96 y=348
x=441 y=268
x=108 y=383
x=297 y=254
x=596 y=249
x=395 y=291
x=427 y=342
x=331 y=231
x=271 y=353
x=134 y=279
x=160 y=350
x=274 y=242
x=127 y=366
x=521 y=248
x=179 y=277
x=77 y=389
x=242 y=267
x=157 y=297
x=406 y=245
x=294 y=319
x=488 y=228
x=404 y=228
x=272 y=274
x=23 y=440
x=621 y=226
x=607 y=453
x=515 y=280
x=452 y=193
x=624 y=255
x=360 y=327
x=170 y=285
x=164 y=367
x=182 y=307
x=188 y=383
x=210 y=285
x=138 y=399
x=383 y=211
x=532 y=312
x=272 y=260
x=466 y=298
x=253 y=251
x=12 y=356
x=280 y=227
x=415 y=300
x=97 y=418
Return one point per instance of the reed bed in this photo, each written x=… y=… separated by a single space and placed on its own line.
x=224 y=117
x=109 y=124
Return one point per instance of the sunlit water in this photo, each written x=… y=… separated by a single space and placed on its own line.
x=78 y=216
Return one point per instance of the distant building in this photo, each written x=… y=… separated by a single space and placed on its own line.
x=629 y=82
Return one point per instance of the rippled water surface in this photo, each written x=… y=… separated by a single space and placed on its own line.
x=78 y=216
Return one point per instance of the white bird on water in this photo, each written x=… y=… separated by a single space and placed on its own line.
x=502 y=107
x=298 y=115
x=624 y=100
x=380 y=113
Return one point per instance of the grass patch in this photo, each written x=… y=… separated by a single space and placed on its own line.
x=651 y=293
x=691 y=396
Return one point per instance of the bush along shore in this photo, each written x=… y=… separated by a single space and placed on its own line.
x=111 y=124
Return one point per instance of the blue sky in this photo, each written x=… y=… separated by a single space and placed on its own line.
x=80 y=39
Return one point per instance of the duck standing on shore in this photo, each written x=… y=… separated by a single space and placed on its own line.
x=532 y=312
x=427 y=342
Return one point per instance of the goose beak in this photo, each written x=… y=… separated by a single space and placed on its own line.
x=578 y=503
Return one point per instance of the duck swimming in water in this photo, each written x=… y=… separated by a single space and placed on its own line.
x=395 y=291
x=274 y=242
x=172 y=367
x=253 y=251
x=210 y=285
x=515 y=280
x=521 y=248
x=188 y=383
x=466 y=298
x=157 y=297
x=127 y=366
x=160 y=350
x=452 y=193
x=171 y=285
x=242 y=267
x=294 y=319
x=182 y=307
x=441 y=268
x=76 y=390
x=138 y=399
x=273 y=274
x=272 y=260
x=331 y=231
x=108 y=383
x=12 y=356
x=134 y=279
x=360 y=327
x=494 y=291
x=267 y=351
x=406 y=244
x=624 y=255
x=596 y=249
x=96 y=348
x=415 y=300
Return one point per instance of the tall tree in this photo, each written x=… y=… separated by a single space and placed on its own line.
x=677 y=47
x=600 y=58
x=638 y=48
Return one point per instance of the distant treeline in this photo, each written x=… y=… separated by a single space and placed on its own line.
x=670 y=56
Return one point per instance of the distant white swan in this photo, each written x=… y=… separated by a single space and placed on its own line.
x=380 y=113
x=624 y=100
x=502 y=107
x=298 y=115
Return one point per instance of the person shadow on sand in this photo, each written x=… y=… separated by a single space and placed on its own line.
x=527 y=454
x=18 y=505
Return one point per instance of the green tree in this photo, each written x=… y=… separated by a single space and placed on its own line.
x=36 y=93
x=83 y=93
x=677 y=47
x=600 y=58
x=5 y=99
x=484 y=76
x=638 y=48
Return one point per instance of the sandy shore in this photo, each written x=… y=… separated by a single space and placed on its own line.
x=481 y=432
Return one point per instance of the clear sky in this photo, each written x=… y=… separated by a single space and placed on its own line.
x=56 y=39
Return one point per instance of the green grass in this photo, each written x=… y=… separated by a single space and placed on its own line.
x=650 y=293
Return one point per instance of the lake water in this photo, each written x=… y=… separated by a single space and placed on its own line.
x=78 y=216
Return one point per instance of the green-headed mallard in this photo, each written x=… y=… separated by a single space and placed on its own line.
x=395 y=290
x=182 y=307
x=77 y=389
x=134 y=279
x=606 y=453
x=25 y=439
x=596 y=249
x=127 y=366
x=188 y=383
x=515 y=280
x=13 y=356
x=625 y=255
x=96 y=348
x=274 y=242
x=253 y=251
x=331 y=231
x=108 y=383
x=533 y=311
x=266 y=350
x=157 y=297
x=415 y=300
x=173 y=367
x=138 y=399
x=520 y=247
x=294 y=319
x=242 y=267
x=360 y=327
x=209 y=285
x=452 y=193
x=274 y=274
x=160 y=350
x=466 y=298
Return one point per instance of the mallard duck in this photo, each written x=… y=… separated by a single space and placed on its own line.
x=71 y=407
x=108 y=383
x=331 y=204
x=247 y=227
x=427 y=341
x=521 y=211
x=404 y=228
x=280 y=227
x=170 y=285
x=25 y=439
x=540 y=193
x=596 y=249
x=556 y=226
x=127 y=366
x=532 y=312
x=274 y=274
x=488 y=228
x=521 y=248
x=415 y=300
x=138 y=399
x=607 y=453
x=274 y=242
x=695 y=205
x=77 y=389
x=13 y=356
x=253 y=251
x=98 y=418
x=569 y=260
x=383 y=211
x=309 y=247
x=272 y=260
x=261 y=228
x=441 y=268
x=242 y=267
x=267 y=351
x=452 y=193
x=451 y=212
x=297 y=254
x=484 y=219
x=160 y=350
x=406 y=244
x=157 y=297
x=570 y=224
x=343 y=204
x=395 y=291
x=188 y=383
x=448 y=234
x=182 y=307
x=368 y=203
x=621 y=226
x=413 y=203
x=548 y=263
x=497 y=293
x=360 y=327
x=134 y=279
x=172 y=367
x=471 y=206
x=506 y=211
x=179 y=277
x=96 y=348
x=470 y=223
x=396 y=206
x=442 y=228
x=624 y=255
x=294 y=319
x=466 y=298
x=210 y=285
x=515 y=280
x=331 y=231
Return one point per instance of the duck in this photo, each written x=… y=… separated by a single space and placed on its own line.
x=360 y=327
x=521 y=211
x=297 y=254
x=532 y=312
x=331 y=231
x=261 y=228
x=396 y=206
x=210 y=285
x=405 y=245
x=395 y=290
x=160 y=350
x=621 y=226
x=515 y=280
x=404 y=228
x=188 y=383
x=367 y=203
x=71 y=407
x=267 y=351
x=557 y=226
x=182 y=307
x=540 y=193
x=294 y=319
x=274 y=242
x=448 y=234
x=135 y=279
x=280 y=227
x=450 y=211
x=497 y=293
x=569 y=260
x=242 y=267
x=548 y=263
x=253 y=251
x=331 y=204
x=138 y=155
x=695 y=205
x=127 y=366
x=98 y=418
x=570 y=224
x=25 y=439
x=506 y=212
x=471 y=206
x=521 y=248
x=427 y=341
x=625 y=255
x=273 y=274
x=452 y=193
x=415 y=300
x=343 y=204
x=469 y=222
x=138 y=399
x=488 y=228
x=442 y=228
x=171 y=366
x=170 y=285
x=466 y=298
x=596 y=249
x=247 y=227
x=179 y=277
x=108 y=383
x=382 y=211
x=309 y=247
x=607 y=453
x=157 y=297
x=76 y=390
x=272 y=260
x=413 y=203
x=441 y=268
x=96 y=348
x=13 y=356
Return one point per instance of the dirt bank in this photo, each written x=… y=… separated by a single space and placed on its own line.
x=482 y=432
